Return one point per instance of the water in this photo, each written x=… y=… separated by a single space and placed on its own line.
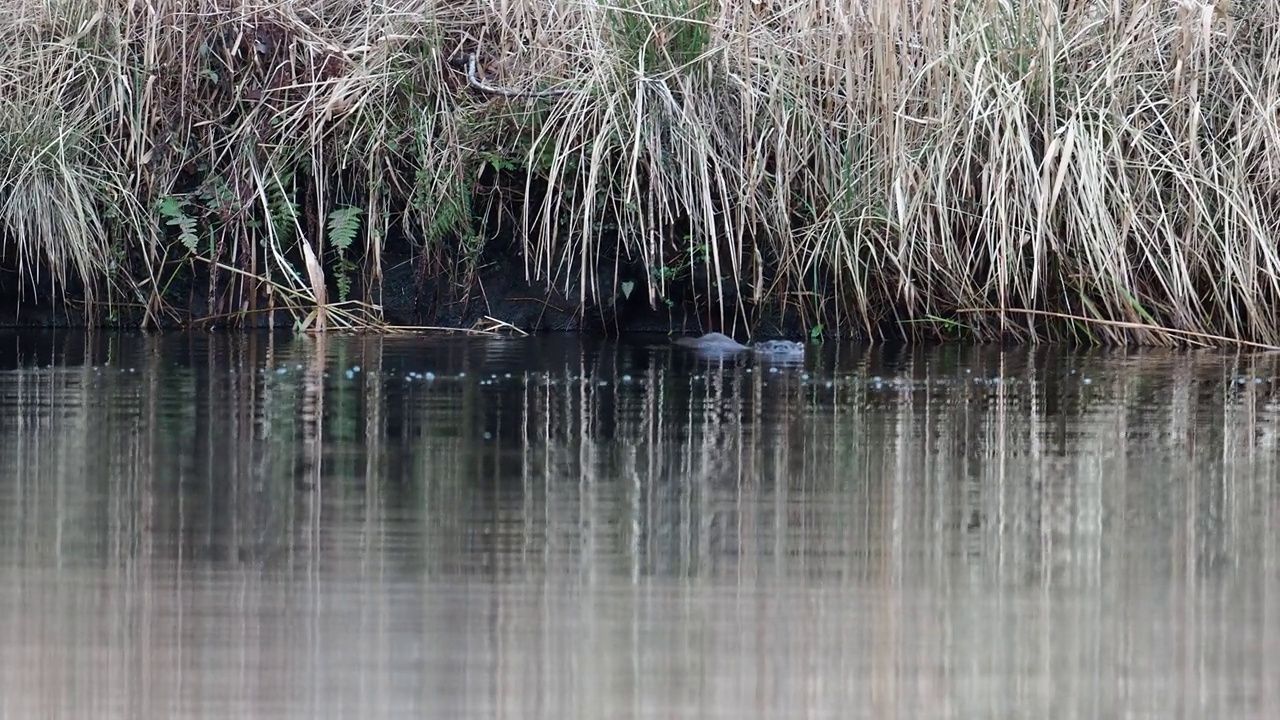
x=248 y=526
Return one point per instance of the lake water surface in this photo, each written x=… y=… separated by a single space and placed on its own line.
x=215 y=526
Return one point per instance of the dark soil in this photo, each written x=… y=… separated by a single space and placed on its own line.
x=418 y=292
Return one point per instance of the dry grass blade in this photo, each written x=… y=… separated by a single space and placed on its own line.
x=856 y=166
x=318 y=290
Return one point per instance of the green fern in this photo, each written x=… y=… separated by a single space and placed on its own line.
x=344 y=271
x=176 y=216
x=218 y=195
x=344 y=225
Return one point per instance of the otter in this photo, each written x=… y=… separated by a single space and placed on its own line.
x=719 y=344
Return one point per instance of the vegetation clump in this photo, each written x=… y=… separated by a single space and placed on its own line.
x=1104 y=172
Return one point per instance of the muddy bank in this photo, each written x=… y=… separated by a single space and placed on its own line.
x=414 y=292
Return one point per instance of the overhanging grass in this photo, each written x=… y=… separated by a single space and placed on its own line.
x=1098 y=172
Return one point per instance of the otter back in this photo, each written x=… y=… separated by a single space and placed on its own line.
x=712 y=342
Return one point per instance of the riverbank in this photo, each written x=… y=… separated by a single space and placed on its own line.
x=1085 y=172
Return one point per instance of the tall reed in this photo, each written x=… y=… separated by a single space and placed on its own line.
x=1088 y=170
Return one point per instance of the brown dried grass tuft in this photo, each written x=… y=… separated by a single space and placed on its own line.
x=1105 y=172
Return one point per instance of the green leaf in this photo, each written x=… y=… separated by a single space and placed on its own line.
x=170 y=206
x=344 y=224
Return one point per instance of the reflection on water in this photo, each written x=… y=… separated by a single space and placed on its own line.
x=246 y=526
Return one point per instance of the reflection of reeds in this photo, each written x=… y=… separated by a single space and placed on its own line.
x=974 y=534
x=678 y=472
x=1001 y=168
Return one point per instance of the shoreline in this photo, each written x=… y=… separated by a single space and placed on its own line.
x=1079 y=174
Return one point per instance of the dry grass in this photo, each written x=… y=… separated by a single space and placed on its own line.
x=1093 y=171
